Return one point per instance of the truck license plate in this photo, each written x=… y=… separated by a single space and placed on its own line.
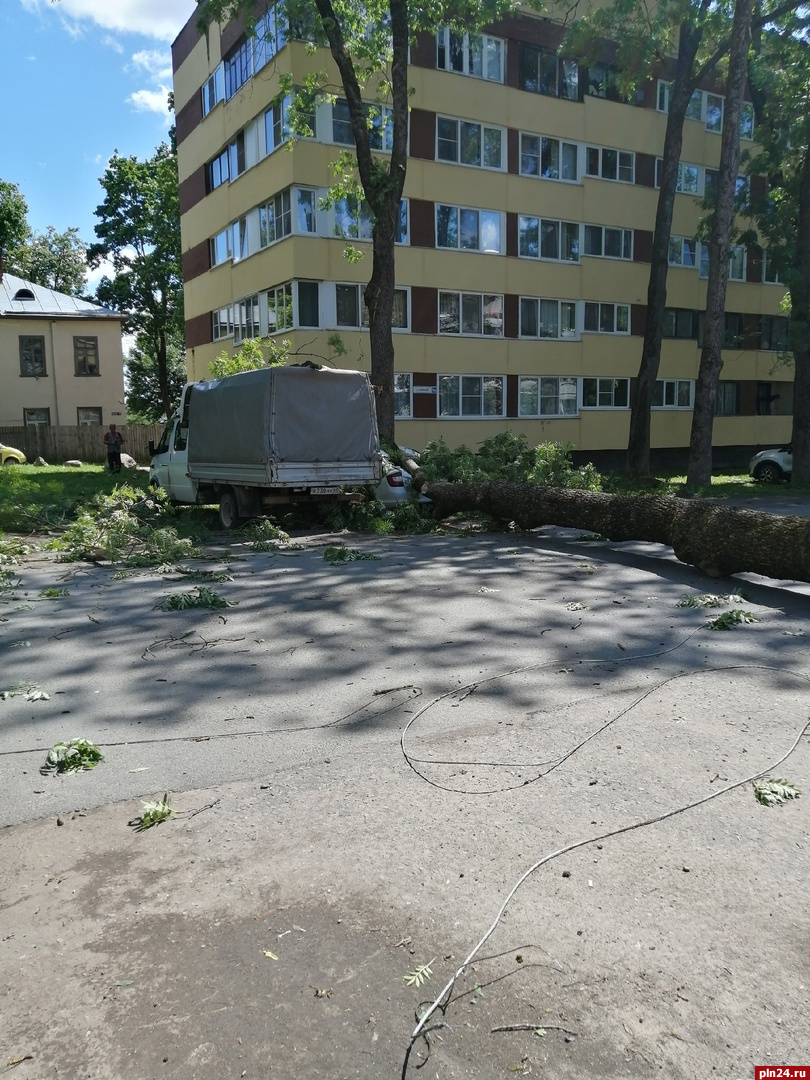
x=325 y=491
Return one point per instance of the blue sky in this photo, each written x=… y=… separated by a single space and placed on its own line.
x=83 y=78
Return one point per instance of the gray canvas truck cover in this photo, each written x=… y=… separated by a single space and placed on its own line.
x=279 y=415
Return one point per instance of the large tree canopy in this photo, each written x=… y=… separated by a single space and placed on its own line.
x=139 y=234
x=56 y=260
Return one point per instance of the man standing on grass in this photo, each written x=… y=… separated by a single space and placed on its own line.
x=113 y=440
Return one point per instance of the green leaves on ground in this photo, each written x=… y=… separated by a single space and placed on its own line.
x=126 y=526
x=420 y=974
x=152 y=814
x=729 y=619
x=202 y=598
x=710 y=600
x=509 y=457
x=74 y=756
x=53 y=593
x=30 y=691
x=774 y=792
x=337 y=554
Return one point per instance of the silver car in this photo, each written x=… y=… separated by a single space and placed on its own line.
x=771 y=466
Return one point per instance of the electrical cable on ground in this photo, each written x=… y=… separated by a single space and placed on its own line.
x=420 y=1027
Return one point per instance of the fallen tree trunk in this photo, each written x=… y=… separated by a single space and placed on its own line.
x=719 y=540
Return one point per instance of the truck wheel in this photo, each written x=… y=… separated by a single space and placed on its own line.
x=228 y=511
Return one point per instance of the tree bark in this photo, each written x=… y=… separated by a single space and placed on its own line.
x=638 y=446
x=719 y=540
x=699 y=469
x=382 y=187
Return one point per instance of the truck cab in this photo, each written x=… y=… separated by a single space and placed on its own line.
x=169 y=465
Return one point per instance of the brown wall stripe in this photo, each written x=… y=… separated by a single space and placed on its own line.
x=510 y=316
x=645 y=170
x=424 y=405
x=198 y=331
x=192 y=190
x=423 y=231
x=197 y=260
x=189 y=117
x=638 y=319
x=753 y=269
x=423 y=134
x=423 y=50
x=185 y=42
x=424 y=310
x=511 y=395
x=642 y=245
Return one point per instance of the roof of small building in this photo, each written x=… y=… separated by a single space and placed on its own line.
x=20 y=297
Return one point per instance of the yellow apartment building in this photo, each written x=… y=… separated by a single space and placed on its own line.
x=526 y=232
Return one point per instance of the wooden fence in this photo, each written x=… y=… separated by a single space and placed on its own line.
x=60 y=444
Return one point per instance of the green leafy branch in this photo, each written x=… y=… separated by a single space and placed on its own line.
x=774 y=792
x=420 y=974
x=77 y=755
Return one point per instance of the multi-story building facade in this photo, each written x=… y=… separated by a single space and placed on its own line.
x=525 y=240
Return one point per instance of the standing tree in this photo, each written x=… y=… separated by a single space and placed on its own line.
x=780 y=78
x=699 y=471
x=14 y=229
x=369 y=45
x=139 y=232
x=145 y=399
x=645 y=37
x=56 y=260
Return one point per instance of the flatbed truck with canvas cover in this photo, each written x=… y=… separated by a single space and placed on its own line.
x=274 y=436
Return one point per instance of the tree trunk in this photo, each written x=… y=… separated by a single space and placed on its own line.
x=799 y=331
x=638 y=446
x=379 y=297
x=718 y=540
x=699 y=470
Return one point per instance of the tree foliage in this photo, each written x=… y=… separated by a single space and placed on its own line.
x=369 y=46
x=57 y=260
x=13 y=220
x=139 y=233
x=144 y=397
x=780 y=80
x=252 y=355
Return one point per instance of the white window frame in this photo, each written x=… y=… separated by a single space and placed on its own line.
x=481 y=218
x=458 y=143
x=626 y=166
x=571 y=396
x=465 y=299
x=566 y=313
x=539 y=154
x=362 y=322
x=461 y=414
x=488 y=45
x=222 y=323
x=278 y=213
x=247 y=318
x=625 y=238
x=540 y=223
x=683 y=251
x=738 y=251
x=382 y=120
x=700 y=177
x=84 y=421
x=403 y=385
x=213 y=89
x=605 y=389
x=284 y=293
x=671 y=388
x=602 y=310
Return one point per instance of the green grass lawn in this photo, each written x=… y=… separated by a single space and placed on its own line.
x=34 y=499
x=724 y=486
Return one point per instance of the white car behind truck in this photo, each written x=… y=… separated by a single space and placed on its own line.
x=270 y=437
